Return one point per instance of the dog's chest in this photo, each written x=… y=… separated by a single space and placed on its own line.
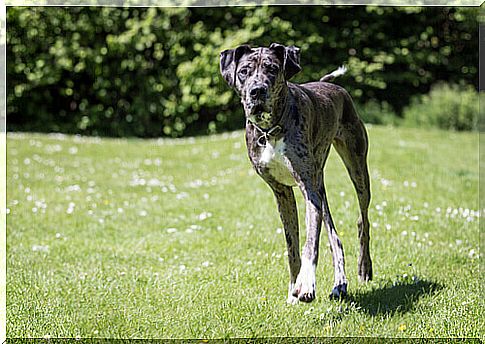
x=274 y=162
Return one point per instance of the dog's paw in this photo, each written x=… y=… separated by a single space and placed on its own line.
x=339 y=292
x=304 y=288
x=292 y=300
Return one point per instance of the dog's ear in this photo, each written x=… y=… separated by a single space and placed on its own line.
x=292 y=63
x=229 y=60
x=290 y=56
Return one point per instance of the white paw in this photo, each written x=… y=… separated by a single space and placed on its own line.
x=291 y=300
x=304 y=288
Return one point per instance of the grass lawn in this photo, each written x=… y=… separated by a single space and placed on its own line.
x=181 y=239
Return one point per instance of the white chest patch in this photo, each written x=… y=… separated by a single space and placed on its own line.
x=273 y=158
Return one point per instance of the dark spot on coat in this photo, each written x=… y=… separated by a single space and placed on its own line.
x=295 y=114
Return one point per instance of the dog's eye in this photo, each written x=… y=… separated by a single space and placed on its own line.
x=272 y=69
x=243 y=71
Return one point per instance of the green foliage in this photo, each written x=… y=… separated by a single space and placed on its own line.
x=378 y=113
x=152 y=72
x=446 y=106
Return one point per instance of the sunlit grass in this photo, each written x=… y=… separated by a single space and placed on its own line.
x=180 y=239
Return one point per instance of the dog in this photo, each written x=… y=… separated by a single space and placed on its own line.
x=289 y=130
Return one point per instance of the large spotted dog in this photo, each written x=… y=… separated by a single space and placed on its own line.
x=289 y=131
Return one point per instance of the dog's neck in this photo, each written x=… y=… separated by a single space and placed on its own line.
x=280 y=104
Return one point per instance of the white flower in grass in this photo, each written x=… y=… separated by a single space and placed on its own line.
x=204 y=215
x=195 y=227
x=388 y=227
x=143 y=213
x=342 y=194
x=70 y=208
x=73 y=150
x=171 y=230
x=72 y=188
x=385 y=182
x=404 y=233
x=308 y=311
x=182 y=195
x=471 y=254
x=40 y=248
x=279 y=230
x=205 y=264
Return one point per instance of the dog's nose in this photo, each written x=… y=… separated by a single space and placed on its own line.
x=258 y=92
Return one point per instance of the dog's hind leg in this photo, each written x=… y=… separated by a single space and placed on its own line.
x=289 y=217
x=351 y=145
x=340 y=280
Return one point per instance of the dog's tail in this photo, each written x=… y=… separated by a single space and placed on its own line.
x=336 y=73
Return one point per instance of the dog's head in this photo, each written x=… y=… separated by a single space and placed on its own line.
x=259 y=75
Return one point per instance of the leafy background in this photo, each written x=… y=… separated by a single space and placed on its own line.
x=151 y=72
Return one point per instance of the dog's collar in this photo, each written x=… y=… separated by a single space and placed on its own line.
x=266 y=134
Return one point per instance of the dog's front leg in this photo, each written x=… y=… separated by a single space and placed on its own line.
x=312 y=187
x=289 y=217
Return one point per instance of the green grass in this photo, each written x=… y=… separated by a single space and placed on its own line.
x=180 y=239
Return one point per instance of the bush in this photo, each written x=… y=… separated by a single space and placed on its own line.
x=446 y=106
x=374 y=112
x=152 y=72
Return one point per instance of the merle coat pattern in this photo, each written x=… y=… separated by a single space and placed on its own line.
x=289 y=131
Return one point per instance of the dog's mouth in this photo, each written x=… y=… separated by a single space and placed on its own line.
x=259 y=114
x=258 y=109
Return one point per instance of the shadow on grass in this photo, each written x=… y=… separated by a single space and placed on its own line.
x=396 y=298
